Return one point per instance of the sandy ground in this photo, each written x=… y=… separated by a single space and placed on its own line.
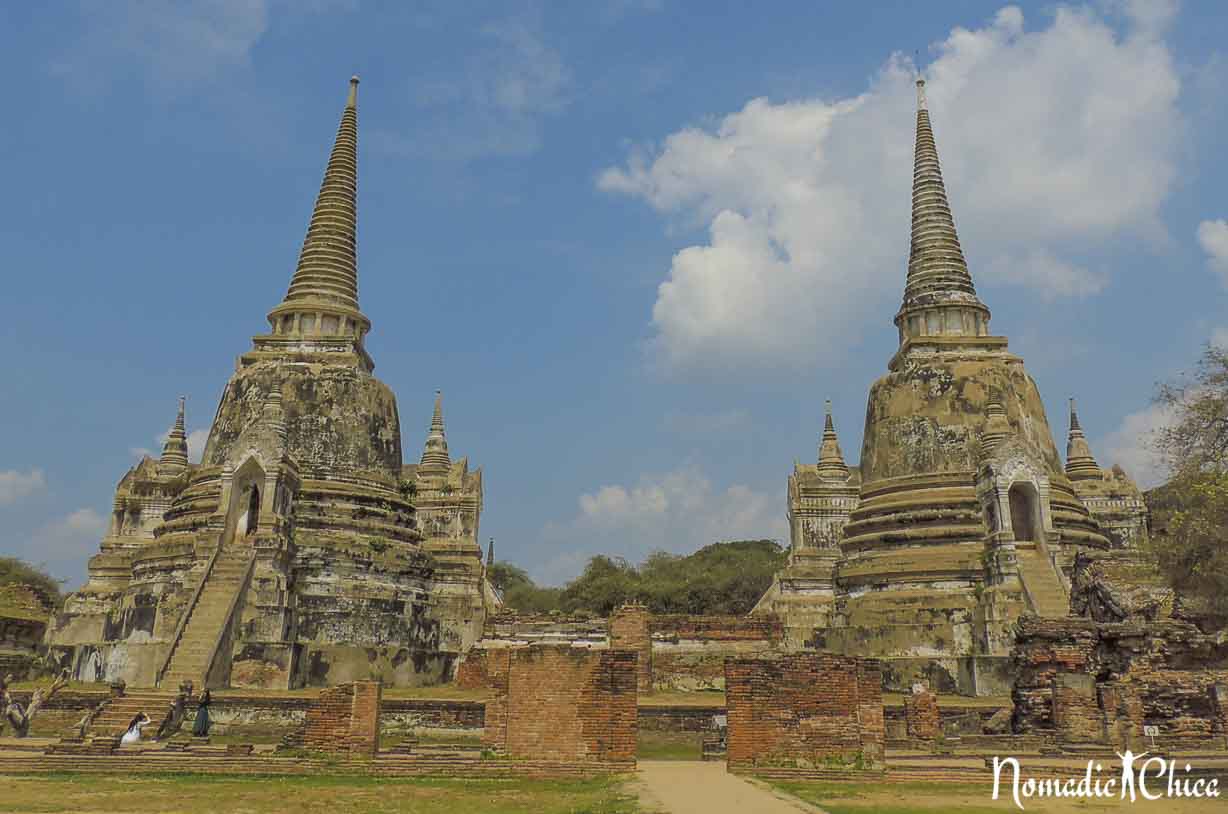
x=695 y=787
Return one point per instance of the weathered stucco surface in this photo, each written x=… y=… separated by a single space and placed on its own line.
x=959 y=516
x=292 y=554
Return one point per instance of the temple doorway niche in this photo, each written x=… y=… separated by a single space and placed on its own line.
x=1025 y=512
x=251 y=518
x=245 y=500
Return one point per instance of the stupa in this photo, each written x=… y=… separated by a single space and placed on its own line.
x=291 y=555
x=960 y=516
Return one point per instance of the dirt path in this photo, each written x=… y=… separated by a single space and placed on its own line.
x=694 y=787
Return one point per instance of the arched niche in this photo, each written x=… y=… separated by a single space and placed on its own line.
x=246 y=500
x=1024 y=503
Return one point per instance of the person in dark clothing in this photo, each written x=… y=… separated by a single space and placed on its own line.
x=200 y=727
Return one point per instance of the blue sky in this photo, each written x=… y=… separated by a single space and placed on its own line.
x=635 y=243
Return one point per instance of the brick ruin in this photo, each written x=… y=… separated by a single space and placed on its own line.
x=24 y=611
x=342 y=719
x=676 y=651
x=563 y=704
x=1096 y=682
x=804 y=710
x=921 y=714
x=629 y=630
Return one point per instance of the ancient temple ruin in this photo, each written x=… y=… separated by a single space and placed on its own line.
x=960 y=516
x=301 y=550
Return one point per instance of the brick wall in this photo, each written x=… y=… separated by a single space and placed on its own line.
x=804 y=710
x=761 y=627
x=629 y=631
x=1076 y=708
x=921 y=714
x=1103 y=681
x=472 y=672
x=344 y=718
x=1218 y=693
x=564 y=704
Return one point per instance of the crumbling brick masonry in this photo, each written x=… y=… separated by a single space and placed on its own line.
x=804 y=710
x=629 y=631
x=1102 y=682
x=921 y=714
x=563 y=704
x=344 y=718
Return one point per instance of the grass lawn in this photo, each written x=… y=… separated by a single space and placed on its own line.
x=963 y=798
x=669 y=745
x=334 y=794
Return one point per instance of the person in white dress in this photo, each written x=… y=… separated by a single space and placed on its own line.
x=133 y=735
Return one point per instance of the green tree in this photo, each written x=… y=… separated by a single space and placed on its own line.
x=504 y=576
x=1189 y=545
x=1189 y=542
x=15 y=571
x=606 y=583
x=519 y=591
x=722 y=578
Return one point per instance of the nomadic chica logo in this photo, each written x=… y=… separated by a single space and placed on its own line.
x=1156 y=778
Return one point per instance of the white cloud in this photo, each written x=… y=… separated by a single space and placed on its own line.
x=1053 y=277
x=15 y=486
x=1150 y=15
x=1130 y=445
x=494 y=105
x=806 y=201
x=1213 y=237
x=196 y=444
x=678 y=511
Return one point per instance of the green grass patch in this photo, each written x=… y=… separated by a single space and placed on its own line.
x=669 y=746
x=893 y=798
x=336 y=793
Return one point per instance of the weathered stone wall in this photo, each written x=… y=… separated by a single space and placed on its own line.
x=344 y=719
x=24 y=613
x=677 y=651
x=473 y=672
x=563 y=703
x=759 y=628
x=339 y=419
x=804 y=710
x=1076 y=709
x=512 y=628
x=689 y=652
x=680 y=719
x=921 y=714
x=1102 y=682
x=629 y=631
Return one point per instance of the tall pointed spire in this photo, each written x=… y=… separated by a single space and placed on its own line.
x=323 y=294
x=490 y=553
x=174 y=458
x=831 y=459
x=435 y=458
x=939 y=298
x=1080 y=465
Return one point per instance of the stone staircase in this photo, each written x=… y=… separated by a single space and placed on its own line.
x=118 y=713
x=192 y=653
x=1045 y=591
